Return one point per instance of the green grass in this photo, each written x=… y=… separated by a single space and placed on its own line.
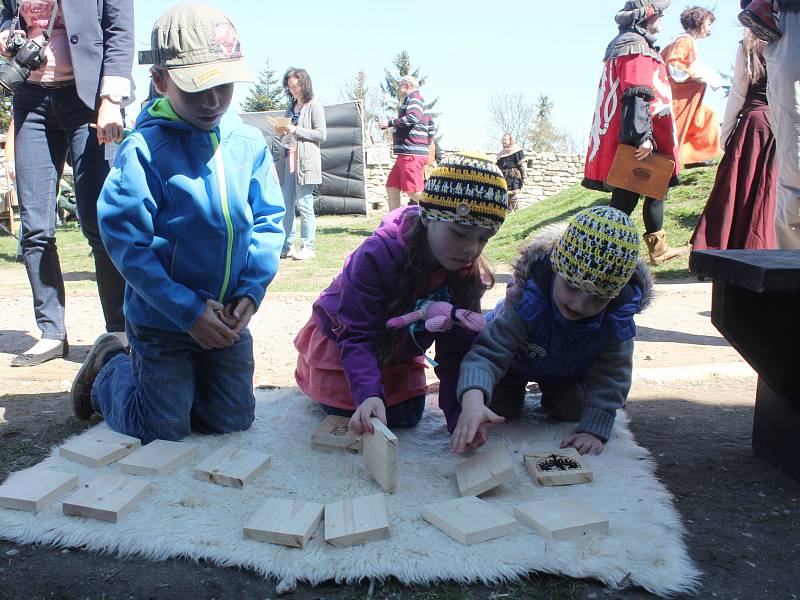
x=682 y=211
x=338 y=236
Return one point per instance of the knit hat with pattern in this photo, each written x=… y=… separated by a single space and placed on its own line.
x=466 y=188
x=598 y=251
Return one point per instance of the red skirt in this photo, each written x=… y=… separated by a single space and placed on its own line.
x=320 y=374
x=740 y=212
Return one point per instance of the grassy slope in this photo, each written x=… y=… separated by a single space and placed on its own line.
x=338 y=236
x=683 y=209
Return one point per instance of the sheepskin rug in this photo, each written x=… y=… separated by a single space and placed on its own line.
x=186 y=517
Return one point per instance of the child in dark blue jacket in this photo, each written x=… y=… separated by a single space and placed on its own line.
x=567 y=324
x=191 y=215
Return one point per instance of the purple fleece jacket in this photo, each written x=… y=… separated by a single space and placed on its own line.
x=351 y=312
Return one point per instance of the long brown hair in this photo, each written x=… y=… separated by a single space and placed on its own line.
x=303 y=80
x=753 y=49
x=466 y=289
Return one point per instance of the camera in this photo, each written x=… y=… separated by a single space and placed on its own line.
x=27 y=57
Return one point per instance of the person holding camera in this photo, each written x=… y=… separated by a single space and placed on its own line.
x=70 y=73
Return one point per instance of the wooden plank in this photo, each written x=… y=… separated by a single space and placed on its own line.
x=99 y=448
x=380 y=454
x=284 y=522
x=333 y=434
x=36 y=488
x=563 y=466
x=233 y=467
x=469 y=520
x=157 y=458
x=107 y=497
x=356 y=521
x=485 y=471
x=560 y=519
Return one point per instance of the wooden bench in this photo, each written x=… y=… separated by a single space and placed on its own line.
x=756 y=306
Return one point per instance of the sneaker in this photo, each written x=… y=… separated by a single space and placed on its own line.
x=290 y=253
x=304 y=253
x=759 y=18
x=104 y=347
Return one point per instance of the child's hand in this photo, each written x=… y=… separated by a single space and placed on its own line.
x=472 y=426
x=210 y=331
x=237 y=313
x=585 y=443
x=371 y=407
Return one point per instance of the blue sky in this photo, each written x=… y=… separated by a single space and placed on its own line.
x=468 y=50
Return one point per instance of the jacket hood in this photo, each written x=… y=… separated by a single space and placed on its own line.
x=159 y=113
x=539 y=248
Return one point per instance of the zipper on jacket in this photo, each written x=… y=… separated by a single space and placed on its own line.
x=226 y=212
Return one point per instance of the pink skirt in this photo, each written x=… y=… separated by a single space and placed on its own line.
x=320 y=374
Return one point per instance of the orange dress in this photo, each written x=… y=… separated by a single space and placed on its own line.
x=696 y=124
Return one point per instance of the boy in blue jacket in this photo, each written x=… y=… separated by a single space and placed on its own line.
x=191 y=216
x=567 y=324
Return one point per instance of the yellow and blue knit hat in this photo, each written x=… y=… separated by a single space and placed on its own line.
x=598 y=251
x=466 y=188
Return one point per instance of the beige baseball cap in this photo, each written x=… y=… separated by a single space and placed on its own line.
x=199 y=46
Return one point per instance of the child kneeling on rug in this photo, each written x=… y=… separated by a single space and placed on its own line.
x=361 y=353
x=191 y=216
x=567 y=324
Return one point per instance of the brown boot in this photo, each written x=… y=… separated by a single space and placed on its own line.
x=659 y=249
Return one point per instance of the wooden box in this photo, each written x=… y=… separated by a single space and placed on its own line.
x=356 y=520
x=34 y=489
x=333 y=434
x=284 y=522
x=233 y=467
x=380 y=454
x=649 y=177
x=485 y=471
x=561 y=519
x=564 y=466
x=469 y=520
x=107 y=497
x=97 y=448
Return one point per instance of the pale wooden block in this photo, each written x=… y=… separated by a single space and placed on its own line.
x=333 y=434
x=34 y=489
x=485 y=471
x=107 y=497
x=99 y=448
x=469 y=520
x=561 y=519
x=380 y=454
x=285 y=522
x=564 y=466
x=159 y=457
x=356 y=520
x=233 y=467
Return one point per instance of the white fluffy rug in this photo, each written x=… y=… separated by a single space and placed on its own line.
x=185 y=517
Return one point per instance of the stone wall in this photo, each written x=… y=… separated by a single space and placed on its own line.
x=547 y=174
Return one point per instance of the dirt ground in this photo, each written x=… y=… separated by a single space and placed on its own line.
x=691 y=406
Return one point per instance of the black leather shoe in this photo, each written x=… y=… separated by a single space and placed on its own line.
x=103 y=349
x=31 y=360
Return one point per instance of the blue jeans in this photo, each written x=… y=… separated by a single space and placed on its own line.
x=402 y=415
x=169 y=386
x=303 y=197
x=47 y=124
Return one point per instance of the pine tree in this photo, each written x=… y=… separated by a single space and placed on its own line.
x=391 y=87
x=266 y=93
x=544 y=136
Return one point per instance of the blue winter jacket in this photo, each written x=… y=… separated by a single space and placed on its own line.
x=190 y=215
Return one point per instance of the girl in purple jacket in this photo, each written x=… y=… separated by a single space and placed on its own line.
x=349 y=361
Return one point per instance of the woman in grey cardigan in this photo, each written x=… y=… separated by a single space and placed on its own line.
x=300 y=164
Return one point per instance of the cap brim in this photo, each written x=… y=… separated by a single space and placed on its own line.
x=197 y=78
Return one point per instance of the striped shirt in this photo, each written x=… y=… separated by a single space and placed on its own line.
x=413 y=127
